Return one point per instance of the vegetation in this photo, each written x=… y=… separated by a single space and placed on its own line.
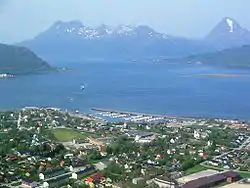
x=20 y=60
x=122 y=145
x=115 y=171
x=195 y=169
x=245 y=174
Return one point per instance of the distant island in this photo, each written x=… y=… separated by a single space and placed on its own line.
x=222 y=75
x=233 y=57
x=20 y=60
x=237 y=57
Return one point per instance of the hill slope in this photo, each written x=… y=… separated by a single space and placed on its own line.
x=20 y=60
x=234 y=57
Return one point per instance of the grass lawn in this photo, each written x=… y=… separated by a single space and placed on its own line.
x=65 y=134
x=195 y=169
x=245 y=174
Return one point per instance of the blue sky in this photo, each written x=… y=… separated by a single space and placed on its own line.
x=23 y=19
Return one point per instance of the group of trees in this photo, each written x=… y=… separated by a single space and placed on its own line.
x=94 y=155
x=115 y=171
x=123 y=145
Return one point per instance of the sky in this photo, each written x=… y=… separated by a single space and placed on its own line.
x=24 y=19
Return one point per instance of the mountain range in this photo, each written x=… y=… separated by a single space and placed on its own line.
x=73 y=41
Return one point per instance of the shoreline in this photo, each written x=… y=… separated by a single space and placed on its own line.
x=82 y=114
x=222 y=75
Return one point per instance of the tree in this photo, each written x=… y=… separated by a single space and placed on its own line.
x=94 y=155
x=115 y=172
x=153 y=185
x=187 y=164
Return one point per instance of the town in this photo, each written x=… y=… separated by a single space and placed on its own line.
x=49 y=147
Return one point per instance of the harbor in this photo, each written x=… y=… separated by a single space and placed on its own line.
x=127 y=116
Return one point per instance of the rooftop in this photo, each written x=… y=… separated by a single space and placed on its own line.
x=204 y=181
x=231 y=174
x=139 y=133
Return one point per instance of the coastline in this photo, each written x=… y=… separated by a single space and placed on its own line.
x=91 y=116
x=222 y=75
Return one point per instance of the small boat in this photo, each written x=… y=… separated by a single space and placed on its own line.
x=82 y=87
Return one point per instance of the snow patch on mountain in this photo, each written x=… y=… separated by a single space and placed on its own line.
x=230 y=24
x=76 y=28
x=127 y=30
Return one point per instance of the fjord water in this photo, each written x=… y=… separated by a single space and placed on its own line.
x=172 y=89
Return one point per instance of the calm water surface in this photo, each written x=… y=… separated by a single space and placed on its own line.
x=152 y=88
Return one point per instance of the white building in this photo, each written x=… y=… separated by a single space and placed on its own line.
x=196 y=135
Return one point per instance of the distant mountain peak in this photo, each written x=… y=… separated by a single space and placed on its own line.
x=228 y=25
x=72 y=24
x=228 y=33
x=145 y=29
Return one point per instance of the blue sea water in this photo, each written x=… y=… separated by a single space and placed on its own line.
x=172 y=89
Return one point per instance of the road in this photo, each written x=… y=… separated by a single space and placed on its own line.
x=55 y=177
x=19 y=119
x=75 y=170
x=244 y=144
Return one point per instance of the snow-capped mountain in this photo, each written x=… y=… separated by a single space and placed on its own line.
x=74 y=41
x=228 y=33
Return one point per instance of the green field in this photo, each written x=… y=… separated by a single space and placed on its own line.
x=195 y=169
x=66 y=134
x=244 y=174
